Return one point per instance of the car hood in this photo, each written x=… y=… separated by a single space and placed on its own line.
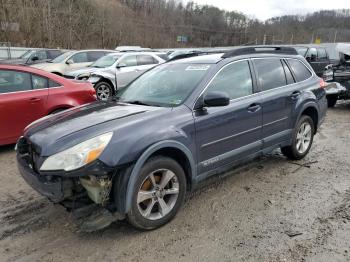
x=45 y=65
x=85 y=70
x=70 y=127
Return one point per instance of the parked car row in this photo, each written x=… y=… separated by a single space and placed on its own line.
x=116 y=70
x=179 y=123
x=332 y=63
x=34 y=56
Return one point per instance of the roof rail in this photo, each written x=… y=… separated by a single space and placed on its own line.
x=195 y=53
x=265 y=49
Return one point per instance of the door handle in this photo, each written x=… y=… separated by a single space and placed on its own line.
x=254 y=108
x=295 y=95
x=34 y=99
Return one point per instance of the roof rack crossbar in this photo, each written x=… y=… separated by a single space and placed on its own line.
x=261 y=50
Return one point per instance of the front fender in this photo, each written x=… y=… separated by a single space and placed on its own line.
x=143 y=158
x=103 y=75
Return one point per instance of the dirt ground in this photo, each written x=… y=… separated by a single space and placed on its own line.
x=271 y=210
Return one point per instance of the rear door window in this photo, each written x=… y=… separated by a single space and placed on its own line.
x=53 y=83
x=234 y=79
x=301 y=72
x=270 y=73
x=39 y=82
x=14 y=81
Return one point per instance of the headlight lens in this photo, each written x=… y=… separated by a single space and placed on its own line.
x=79 y=155
x=84 y=77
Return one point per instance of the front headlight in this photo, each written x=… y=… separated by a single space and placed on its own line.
x=79 y=155
x=93 y=78
x=83 y=77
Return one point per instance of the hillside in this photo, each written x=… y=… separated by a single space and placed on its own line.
x=156 y=23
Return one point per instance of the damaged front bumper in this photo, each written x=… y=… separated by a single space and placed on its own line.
x=85 y=192
x=54 y=188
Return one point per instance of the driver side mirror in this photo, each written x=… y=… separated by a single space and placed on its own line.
x=69 y=61
x=121 y=65
x=216 y=98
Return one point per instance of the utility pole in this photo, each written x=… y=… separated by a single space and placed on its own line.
x=335 y=36
x=264 y=41
x=291 y=39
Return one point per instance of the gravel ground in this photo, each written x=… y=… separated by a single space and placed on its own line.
x=270 y=210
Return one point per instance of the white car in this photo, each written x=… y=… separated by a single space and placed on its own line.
x=72 y=60
x=115 y=71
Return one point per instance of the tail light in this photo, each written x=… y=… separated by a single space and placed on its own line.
x=322 y=83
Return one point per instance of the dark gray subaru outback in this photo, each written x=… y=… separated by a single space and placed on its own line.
x=136 y=156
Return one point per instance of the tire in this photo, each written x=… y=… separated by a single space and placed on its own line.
x=104 y=91
x=153 y=199
x=332 y=100
x=298 y=151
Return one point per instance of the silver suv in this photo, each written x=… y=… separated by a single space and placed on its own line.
x=115 y=71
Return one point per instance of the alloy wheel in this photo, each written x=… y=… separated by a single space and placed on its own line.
x=103 y=92
x=158 y=194
x=303 y=139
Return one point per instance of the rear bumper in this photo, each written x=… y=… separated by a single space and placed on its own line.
x=54 y=188
x=334 y=88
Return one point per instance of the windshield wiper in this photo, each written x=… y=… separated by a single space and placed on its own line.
x=137 y=102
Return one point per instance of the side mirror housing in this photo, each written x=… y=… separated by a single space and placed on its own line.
x=69 y=61
x=216 y=98
x=121 y=65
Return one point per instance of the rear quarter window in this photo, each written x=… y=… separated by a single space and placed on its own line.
x=301 y=72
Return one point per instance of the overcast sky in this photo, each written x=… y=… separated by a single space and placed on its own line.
x=264 y=9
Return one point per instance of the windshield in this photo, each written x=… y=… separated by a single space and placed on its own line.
x=106 y=61
x=27 y=54
x=61 y=58
x=166 y=85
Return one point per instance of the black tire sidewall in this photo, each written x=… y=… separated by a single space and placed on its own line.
x=293 y=147
x=134 y=216
x=332 y=100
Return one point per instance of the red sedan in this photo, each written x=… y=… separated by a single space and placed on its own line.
x=27 y=94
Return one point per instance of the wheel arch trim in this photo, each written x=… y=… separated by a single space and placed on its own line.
x=145 y=156
x=304 y=107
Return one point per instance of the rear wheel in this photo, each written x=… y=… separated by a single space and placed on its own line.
x=103 y=91
x=332 y=100
x=302 y=139
x=158 y=194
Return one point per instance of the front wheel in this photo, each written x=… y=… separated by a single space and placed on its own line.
x=158 y=194
x=303 y=136
x=103 y=91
